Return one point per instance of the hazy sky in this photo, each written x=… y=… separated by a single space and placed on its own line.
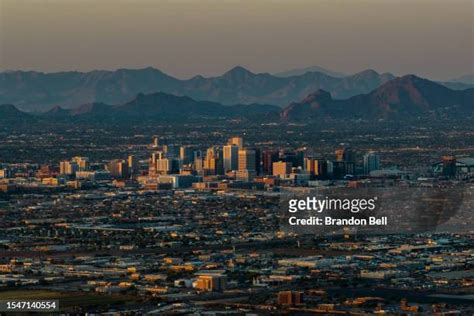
x=431 y=38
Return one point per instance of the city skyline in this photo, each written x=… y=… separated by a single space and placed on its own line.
x=161 y=226
x=184 y=38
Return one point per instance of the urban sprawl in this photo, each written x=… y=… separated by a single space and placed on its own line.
x=179 y=229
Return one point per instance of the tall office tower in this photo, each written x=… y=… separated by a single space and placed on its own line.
x=175 y=165
x=132 y=165
x=219 y=160
x=213 y=163
x=291 y=157
x=281 y=168
x=309 y=165
x=237 y=141
x=82 y=163
x=345 y=161
x=231 y=157
x=258 y=161
x=371 y=162
x=299 y=158
x=118 y=168
x=317 y=168
x=199 y=165
x=340 y=154
x=171 y=151
x=197 y=154
x=247 y=160
x=329 y=168
x=345 y=154
x=198 y=162
x=349 y=155
x=349 y=159
x=246 y=165
x=186 y=154
x=321 y=169
x=155 y=156
x=269 y=157
x=153 y=165
x=210 y=162
x=68 y=167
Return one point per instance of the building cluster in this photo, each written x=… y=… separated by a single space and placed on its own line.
x=178 y=229
x=233 y=165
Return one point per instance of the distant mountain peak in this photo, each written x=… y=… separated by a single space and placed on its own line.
x=366 y=73
x=56 y=109
x=238 y=71
x=410 y=80
x=314 y=104
x=9 y=108
x=411 y=77
x=302 y=71
x=198 y=77
x=10 y=114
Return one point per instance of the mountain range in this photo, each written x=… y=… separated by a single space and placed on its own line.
x=143 y=108
x=401 y=98
x=37 y=91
